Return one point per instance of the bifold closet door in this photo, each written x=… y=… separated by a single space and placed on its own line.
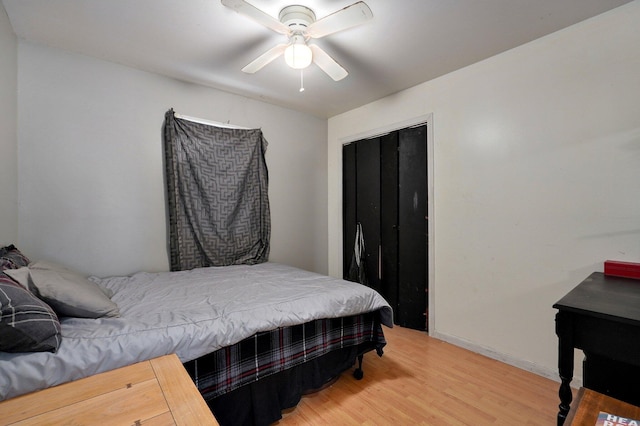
x=412 y=228
x=368 y=205
x=389 y=218
x=348 y=206
x=385 y=189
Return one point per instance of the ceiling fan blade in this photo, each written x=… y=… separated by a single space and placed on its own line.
x=264 y=59
x=356 y=14
x=327 y=63
x=244 y=8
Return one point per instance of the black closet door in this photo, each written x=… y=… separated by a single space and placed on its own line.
x=412 y=228
x=348 y=205
x=368 y=204
x=389 y=217
x=385 y=189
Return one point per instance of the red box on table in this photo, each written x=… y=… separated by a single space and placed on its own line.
x=622 y=269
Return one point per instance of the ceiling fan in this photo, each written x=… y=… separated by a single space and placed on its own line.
x=299 y=25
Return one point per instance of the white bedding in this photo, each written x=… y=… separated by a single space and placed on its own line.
x=190 y=313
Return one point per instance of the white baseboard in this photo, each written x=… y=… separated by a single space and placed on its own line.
x=507 y=359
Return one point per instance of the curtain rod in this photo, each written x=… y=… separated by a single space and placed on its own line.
x=210 y=122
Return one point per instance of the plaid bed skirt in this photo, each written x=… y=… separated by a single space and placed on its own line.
x=274 y=351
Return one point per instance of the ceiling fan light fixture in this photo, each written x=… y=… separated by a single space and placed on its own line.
x=299 y=25
x=298 y=55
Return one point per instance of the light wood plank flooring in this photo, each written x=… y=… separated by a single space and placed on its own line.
x=424 y=381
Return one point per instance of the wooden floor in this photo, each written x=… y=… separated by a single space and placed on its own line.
x=424 y=381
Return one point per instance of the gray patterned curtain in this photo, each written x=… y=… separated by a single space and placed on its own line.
x=217 y=195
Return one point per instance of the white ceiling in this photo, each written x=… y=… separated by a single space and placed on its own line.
x=406 y=43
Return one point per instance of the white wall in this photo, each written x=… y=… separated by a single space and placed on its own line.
x=8 y=132
x=91 y=191
x=536 y=181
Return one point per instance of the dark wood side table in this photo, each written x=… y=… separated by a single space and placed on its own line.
x=601 y=316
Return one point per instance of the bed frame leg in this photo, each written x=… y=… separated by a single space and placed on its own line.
x=358 y=373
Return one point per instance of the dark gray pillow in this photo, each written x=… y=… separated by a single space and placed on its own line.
x=27 y=324
x=69 y=293
x=12 y=258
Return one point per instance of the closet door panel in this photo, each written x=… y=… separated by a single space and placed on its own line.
x=348 y=205
x=389 y=217
x=412 y=224
x=368 y=203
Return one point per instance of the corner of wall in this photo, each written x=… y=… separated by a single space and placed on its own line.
x=8 y=130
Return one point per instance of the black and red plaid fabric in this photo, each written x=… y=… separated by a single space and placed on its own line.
x=273 y=351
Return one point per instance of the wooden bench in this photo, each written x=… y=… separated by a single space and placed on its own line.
x=154 y=392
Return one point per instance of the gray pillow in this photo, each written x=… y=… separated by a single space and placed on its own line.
x=12 y=258
x=27 y=324
x=69 y=293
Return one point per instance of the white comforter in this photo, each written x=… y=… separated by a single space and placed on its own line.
x=190 y=313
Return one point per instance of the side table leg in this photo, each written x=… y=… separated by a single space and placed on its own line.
x=565 y=363
x=565 y=399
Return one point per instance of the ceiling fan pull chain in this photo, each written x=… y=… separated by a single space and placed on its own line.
x=301 y=81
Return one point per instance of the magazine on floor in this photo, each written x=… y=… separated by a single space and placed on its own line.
x=607 y=419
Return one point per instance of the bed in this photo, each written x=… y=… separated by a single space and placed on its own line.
x=253 y=337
